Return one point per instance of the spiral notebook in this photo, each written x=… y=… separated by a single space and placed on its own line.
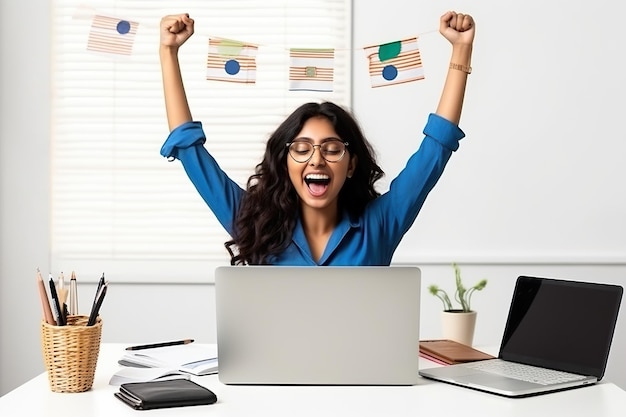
x=557 y=336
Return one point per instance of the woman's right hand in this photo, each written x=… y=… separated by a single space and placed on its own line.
x=175 y=30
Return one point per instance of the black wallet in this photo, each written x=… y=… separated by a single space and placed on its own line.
x=164 y=394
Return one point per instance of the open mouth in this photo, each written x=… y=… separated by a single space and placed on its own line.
x=317 y=183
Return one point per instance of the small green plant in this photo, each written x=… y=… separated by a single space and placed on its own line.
x=462 y=295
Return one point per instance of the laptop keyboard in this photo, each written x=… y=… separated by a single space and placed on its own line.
x=523 y=372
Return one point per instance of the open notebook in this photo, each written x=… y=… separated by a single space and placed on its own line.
x=166 y=362
x=318 y=325
x=557 y=336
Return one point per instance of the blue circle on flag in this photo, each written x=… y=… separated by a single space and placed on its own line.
x=390 y=72
x=232 y=67
x=123 y=27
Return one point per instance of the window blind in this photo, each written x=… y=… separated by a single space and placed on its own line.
x=119 y=207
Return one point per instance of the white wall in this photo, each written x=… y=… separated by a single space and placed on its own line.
x=539 y=177
x=137 y=313
x=24 y=186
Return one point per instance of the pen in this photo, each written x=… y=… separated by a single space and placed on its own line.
x=100 y=284
x=73 y=309
x=162 y=344
x=97 y=304
x=55 y=302
x=45 y=303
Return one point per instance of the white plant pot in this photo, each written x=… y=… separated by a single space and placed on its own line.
x=459 y=326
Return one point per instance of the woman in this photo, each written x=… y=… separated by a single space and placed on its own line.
x=312 y=199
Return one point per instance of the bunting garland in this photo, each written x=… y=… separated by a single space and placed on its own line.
x=310 y=69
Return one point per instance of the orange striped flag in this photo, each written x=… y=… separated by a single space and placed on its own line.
x=395 y=62
x=231 y=61
x=311 y=69
x=112 y=35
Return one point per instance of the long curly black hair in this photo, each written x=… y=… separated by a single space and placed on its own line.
x=269 y=209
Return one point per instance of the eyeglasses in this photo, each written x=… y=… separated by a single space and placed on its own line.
x=302 y=151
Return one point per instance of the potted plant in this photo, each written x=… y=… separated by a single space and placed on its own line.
x=458 y=323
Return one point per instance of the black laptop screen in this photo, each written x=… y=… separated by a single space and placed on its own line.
x=561 y=324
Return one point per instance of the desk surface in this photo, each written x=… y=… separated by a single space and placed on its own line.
x=428 y=398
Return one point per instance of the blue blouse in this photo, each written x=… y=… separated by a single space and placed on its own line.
x=370 y=239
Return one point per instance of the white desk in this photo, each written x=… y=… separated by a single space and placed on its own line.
x=428 y=398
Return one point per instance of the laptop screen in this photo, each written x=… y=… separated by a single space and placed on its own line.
x=559 y=324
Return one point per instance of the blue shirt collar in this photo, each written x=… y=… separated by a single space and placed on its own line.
x=345 y=224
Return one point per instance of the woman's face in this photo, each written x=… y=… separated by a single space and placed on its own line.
x=318 y=181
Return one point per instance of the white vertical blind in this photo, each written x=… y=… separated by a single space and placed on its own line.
x=119 y=207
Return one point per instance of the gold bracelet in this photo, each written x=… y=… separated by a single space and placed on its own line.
x=466 y=69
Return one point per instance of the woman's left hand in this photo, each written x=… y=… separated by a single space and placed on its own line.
x=457 y=28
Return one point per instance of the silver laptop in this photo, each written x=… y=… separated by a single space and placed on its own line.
x=557 y=336
x=318 y=325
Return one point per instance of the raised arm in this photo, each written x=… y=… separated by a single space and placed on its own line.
x=175 y=30
x=459 y=30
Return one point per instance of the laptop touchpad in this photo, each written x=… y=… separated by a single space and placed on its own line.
x=495 y=381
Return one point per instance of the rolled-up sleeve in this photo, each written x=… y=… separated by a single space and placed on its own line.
x=186 y=135
x=443 y=131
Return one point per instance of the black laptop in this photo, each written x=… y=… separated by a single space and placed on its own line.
x=557 y=336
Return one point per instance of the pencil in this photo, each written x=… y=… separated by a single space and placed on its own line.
x=162 y=344
x=45 y=303
x=62 y=294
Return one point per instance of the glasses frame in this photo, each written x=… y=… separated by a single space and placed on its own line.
x=288 y=146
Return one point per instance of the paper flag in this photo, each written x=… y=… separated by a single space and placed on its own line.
x=231 y=61
x=395 y=63
x=112 y=35
x=311 y=69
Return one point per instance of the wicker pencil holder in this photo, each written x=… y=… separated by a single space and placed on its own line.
x=70 y=353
